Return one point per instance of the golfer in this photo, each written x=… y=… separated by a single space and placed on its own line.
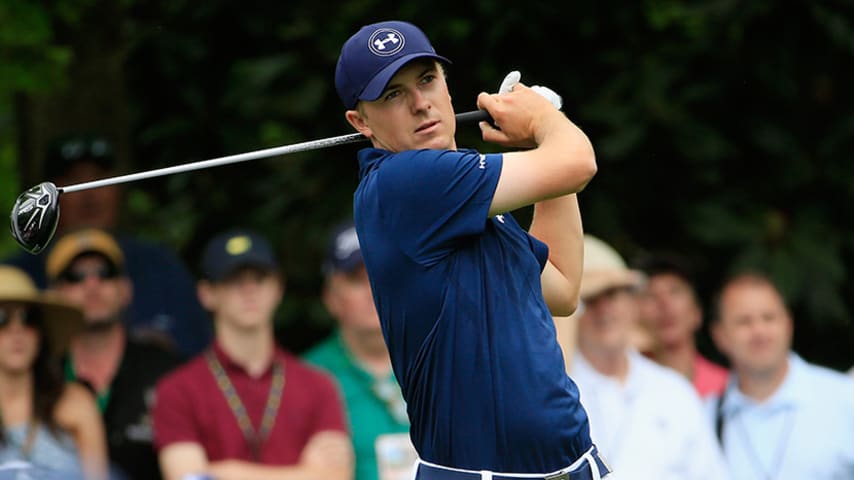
x=466 y=296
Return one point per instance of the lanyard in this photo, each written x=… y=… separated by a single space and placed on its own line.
x=388 y=391
x=271 y=408
x=780 y=450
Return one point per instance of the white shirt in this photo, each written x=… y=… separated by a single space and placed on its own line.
x=652 y=426
x=805 y=430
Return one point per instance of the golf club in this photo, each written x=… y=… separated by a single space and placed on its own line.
x=35 y=213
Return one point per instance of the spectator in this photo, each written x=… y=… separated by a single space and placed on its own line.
x=671 y=310
x=646 y=418
x=780 y=417
x=229 y=412
x=51 y=430
x=164 y=304
x=86 y=268
x=357 y=357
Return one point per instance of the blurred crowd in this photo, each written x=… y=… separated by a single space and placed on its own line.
x=116 y=363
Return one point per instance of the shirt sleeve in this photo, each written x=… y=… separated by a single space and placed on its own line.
x=432 y=200
x=540 y=249
x=329 y=413
x=172 y=414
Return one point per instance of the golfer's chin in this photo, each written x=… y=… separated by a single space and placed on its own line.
x=434 y=141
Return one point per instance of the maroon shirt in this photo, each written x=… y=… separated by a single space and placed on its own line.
x=190 y=407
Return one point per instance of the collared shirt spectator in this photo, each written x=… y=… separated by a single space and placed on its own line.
x=356 y=355
x=86 y=268
x=645 y=418
x=164 y=306
x=245 y=408
x=780 y=417
x=50 y=430
x=672 y=313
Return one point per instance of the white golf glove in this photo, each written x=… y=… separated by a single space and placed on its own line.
x=513 y=78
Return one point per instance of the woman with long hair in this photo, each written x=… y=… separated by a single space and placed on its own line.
x=50 y=429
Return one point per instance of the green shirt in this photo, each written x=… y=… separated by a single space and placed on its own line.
x=374 y=405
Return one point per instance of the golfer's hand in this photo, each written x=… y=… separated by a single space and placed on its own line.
x=513 y=78
x=522 y=117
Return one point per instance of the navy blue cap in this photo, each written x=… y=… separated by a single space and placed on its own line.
x=343 y=254
x=230 y=251
x=68 y=150
x=373 y=55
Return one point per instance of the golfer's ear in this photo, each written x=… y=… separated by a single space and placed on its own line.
x=357 y=120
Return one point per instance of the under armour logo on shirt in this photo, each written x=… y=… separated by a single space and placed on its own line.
x=500 y=218
x=482 y=164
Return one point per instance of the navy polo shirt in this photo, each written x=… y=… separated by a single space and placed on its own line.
x=471 y=339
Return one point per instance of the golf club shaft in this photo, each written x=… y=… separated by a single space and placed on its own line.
x=477 y=115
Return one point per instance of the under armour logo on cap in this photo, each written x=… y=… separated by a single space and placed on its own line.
x=346 y=243
x=373 y=55
x=386 y=41
x=343 y=253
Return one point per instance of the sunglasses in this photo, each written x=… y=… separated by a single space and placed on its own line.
x=78 y=147
x=29 y=316
x=78 y=275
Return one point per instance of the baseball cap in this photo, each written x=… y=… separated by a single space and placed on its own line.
x=232 y=250
x=68 y=150
x=343 y=253
x=604 y=269
x=374 y=54
x=76 y=243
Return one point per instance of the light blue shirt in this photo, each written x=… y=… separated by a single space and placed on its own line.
x=805 y=430
x=50 y=457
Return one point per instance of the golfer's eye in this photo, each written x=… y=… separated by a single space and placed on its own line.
x=428 y=78
x=392 y=94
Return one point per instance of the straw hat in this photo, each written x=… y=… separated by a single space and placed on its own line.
x=60 y=320
x=604 y=269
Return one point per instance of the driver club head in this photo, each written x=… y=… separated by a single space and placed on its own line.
x=35 y=216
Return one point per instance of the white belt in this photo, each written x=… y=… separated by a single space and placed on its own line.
x=488 y=474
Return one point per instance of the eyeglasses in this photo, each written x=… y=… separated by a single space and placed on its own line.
x=78 y=275
x=29 y=316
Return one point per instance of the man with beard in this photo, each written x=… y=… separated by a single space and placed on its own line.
x=87 y=268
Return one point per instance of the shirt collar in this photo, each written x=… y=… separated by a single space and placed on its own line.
x=370 y=158
x=231 y=366
x=788 y=395
x=346 y=359
x=585 y=372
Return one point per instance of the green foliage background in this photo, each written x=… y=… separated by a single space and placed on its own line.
x=723 y=129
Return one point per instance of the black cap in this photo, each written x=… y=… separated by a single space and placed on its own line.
x=230 y=251
x=343 y=253
x=68 y=150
